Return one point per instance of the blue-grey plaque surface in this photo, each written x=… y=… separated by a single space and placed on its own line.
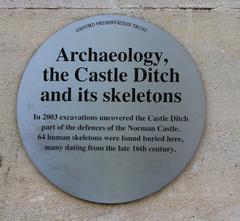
x=111 y=108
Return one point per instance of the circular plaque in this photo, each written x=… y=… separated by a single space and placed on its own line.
x=111 y=108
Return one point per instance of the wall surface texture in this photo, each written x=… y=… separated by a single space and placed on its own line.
x=208 y=189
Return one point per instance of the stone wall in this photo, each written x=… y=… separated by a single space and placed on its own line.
x=208 y=189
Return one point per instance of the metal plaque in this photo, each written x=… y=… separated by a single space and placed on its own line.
x=111 y=108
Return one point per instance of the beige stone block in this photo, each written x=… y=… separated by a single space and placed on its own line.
x=112 y=4
x=207 y=190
